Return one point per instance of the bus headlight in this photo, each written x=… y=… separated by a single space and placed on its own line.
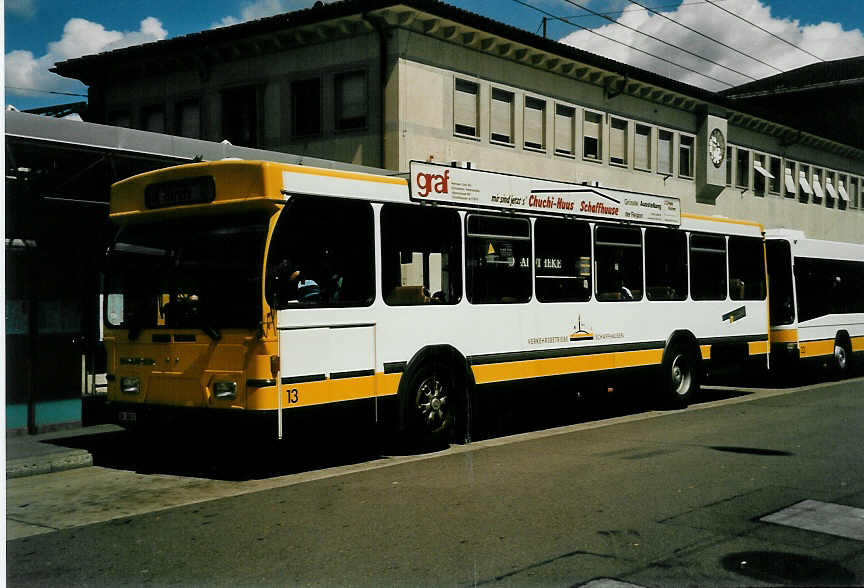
x=130 y=385
x=225 y=390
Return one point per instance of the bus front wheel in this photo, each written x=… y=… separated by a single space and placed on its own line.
x=432 y=405
x=679 y=376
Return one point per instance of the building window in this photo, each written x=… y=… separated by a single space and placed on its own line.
x=830 y=190
x=618 y=260
x=790 y=182
x=465 y=107
x=564 y=134
x=592 y=128
x=421 y=256
x=729 y=155
x=535 y=123
x=188 y=115
x=818 y=191
x=664 y=152
x=774 y=182
x=742 y=168
x=498 y=258
x=761 y=175
x=618 y=141
x=153 y=119
x=562 y=262
x=685 y=156
x=804 y=184
x=306 y=107
x=351 y=107
x=665 y=264
x=501 y=113
x=240 y=122
x=843 y=192
x=707 y=267
x=642 y=148
x=854 y=192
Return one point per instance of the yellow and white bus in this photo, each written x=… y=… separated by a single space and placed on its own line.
x=817 y=300
x=254 y=288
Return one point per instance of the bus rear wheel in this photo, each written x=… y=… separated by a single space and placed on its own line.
x=679 y=381
x=842 y=358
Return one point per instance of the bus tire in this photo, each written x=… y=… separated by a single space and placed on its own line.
x=841 y=362
x=432 y=405
x=679 y=378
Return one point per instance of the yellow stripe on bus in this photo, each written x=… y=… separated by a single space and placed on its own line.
x=757 y=347
x=816 y=348
x=784 y=335
x=332 y=173
x=857 y=344
x=323 y=392
x=538 y=368
x=715 y=219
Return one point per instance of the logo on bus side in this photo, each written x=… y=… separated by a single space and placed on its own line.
x=438 y=183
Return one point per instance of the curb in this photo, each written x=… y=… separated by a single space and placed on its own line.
x=20 y=468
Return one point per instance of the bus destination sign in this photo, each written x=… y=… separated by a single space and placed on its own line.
x=468 y=187
x=199 y=190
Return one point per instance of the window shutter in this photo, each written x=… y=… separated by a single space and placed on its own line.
x=534 y=122
x=353 y=95
x=564 y=130
x=618 y=141
x=664 y=154
x=190 y=120
x=502 y=116
x=642 y=148
x=465 y=107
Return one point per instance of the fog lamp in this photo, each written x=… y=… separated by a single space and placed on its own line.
x=225 y=389
x=130 y=385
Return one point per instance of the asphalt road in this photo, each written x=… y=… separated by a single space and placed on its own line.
x=653 y=499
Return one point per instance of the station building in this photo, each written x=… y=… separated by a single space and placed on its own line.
x=384 y=82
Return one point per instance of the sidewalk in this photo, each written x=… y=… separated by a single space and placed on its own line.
x=30 y=455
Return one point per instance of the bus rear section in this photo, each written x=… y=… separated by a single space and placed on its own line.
x=817 y=311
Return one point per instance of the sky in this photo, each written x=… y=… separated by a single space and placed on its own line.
x=38 y=33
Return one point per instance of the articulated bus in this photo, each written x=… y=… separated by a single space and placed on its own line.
x=817 y=300
x=254 y=289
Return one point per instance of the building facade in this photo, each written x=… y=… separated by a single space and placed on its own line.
x=384 y=82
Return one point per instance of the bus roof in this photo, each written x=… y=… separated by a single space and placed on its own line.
x=802 y=246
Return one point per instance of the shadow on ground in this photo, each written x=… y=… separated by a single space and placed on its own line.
x=496 y=412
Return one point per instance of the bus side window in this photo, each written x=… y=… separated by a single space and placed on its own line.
x=618 y=257
x=421 y=251
x=498 y=258
x=708 y=267
x=562 y=261
x=665 y=264
x=322 y=254
x=746 y=268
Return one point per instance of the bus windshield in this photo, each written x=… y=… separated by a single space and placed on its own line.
x=193 y=273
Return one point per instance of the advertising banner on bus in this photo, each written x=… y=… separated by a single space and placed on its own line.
x=469 y=187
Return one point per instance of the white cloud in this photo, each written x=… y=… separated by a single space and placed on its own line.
x=22 y=8
x=80 y=37
x=263 y=9
x=827 y=40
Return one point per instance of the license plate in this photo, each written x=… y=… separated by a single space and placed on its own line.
x=127 y=417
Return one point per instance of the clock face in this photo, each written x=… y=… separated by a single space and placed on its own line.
x=716 y=147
